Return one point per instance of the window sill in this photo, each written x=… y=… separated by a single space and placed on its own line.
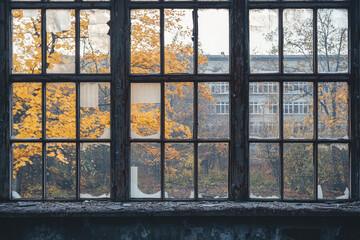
x=187 y=209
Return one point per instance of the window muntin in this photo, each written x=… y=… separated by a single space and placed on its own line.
x=60 y=124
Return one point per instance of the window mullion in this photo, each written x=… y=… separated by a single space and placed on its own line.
x=239 y=98
x=119 y=97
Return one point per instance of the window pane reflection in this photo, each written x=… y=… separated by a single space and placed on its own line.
x=26 y=110
x=333 y=110
x=60 y=28
x=179 y=170
x=26 y=41
x=94 y=41
x=95 y=110
x=264 y=34
x=179 y=116
x=145 y=110
x=264 y=171
x=213 y=110
x=145 y=171
x=334 y=171
x=298 y=110
x=332 y=30
x=213 y=170
x=179 y=51
x=213 y=47
x=94 y=170
x=264 y=110
x=145 y=41
x=298 y=40
x=298 y=171
x=27 y=168
x=60 y=110
x=60 y=170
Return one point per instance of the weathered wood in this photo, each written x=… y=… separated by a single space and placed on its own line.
x=4 y=104
x=239 y=103
x=354 y=14
x=119 y=102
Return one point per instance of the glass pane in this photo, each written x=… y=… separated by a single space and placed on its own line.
x=179 y=116
x=298 y=40
x=213 y=110
x=213 y=170
x=26 y=179
x=26 y=41
x=179 y=53
x=94 y=41
x=264 y=171
x=298 y=171
x=332 y=30
x=334 y=171
x=95 y=110
x=145 y=41
x=145 y=173
x=264 y=37
x=213 y=50
x=60 y=110
x=60 y=170
x=333 y=110
x=179 y=170
x=298 y=110
x=95 y=170
x=145 y=110
x=26 y=110
x=60 y=28
x=264 y=110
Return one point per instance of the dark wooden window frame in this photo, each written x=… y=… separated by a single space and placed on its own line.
x=120 y=78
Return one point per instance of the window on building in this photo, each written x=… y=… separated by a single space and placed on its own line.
x=174 y=100
x=60 y=131
x=304 y=50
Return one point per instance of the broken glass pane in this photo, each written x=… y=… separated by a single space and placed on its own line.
x=145 y=110
x=26 y=41
x=60 y=28
x=95 y=110
x=145 y=173
x=94 y=41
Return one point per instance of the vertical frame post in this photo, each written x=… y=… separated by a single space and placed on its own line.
x=120 y=97
x=239 y=102
x=4 y=103
x=354 y=13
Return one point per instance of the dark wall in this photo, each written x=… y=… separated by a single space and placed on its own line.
x=180 y=228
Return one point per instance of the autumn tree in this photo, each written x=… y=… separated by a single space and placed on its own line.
x=333 y=159
x=60 y=105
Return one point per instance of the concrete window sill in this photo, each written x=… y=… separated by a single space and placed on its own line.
x=159 y=209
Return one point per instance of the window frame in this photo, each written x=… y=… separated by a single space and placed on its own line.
x=239 y=78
